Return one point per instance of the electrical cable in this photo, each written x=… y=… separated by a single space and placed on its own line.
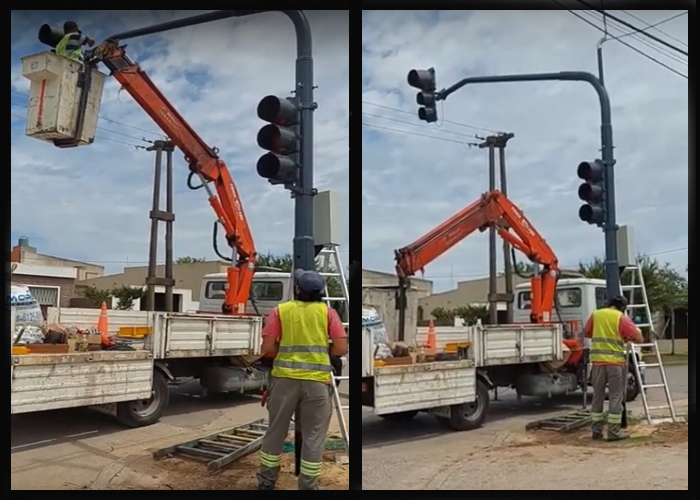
x=635 y=28
x=624 y=43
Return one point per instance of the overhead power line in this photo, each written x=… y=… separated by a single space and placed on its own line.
x=416 y=134
x=624 y=32
x=641 y=52
x=655 y=25
x=459 y=124
x=633 y=27
x=110 y=120
x=102 y=137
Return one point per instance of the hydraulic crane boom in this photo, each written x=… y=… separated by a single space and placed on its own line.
x=493 y=209
x=203 y=162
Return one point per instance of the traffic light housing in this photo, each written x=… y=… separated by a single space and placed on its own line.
x=281 y=138
x=424 y=80
x=48 y=35
x=592 y=191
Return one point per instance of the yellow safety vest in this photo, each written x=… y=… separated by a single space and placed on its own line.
x=606 y=344
x=66 y=49
x=303 y=350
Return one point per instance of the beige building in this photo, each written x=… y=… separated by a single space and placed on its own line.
x=50 y=279
x=381 y=290
x=187 y=276
x=467 y=292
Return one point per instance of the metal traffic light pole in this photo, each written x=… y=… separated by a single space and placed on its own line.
x=612 y=273
x=304 y=255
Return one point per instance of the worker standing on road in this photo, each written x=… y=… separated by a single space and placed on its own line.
x=71 y=45
x=610 y=329
x=298 y=333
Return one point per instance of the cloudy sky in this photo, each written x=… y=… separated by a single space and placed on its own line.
x=92 y=203
x=415 y=175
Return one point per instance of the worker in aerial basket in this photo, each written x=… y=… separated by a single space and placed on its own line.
x=297 y=333
x=610 y=329
x=71 y=45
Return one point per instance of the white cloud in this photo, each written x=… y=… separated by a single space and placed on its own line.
x=412 y=183
x=92 y=203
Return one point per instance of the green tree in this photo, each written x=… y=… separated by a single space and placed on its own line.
x=666 y=288
x=189 y=260
x=97 y=296
x=126 y=295
x=442 y=314
x=284 y=263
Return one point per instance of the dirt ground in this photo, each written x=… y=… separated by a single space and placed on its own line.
x=176 y=474
x=654 y=458
x=182 y=474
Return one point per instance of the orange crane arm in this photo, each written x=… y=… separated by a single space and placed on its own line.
x=203 y=161
x=493 y=209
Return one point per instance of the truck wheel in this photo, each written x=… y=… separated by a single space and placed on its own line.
x=403 y=416
x=142 y=413
x=634 y=386
x=468 y=416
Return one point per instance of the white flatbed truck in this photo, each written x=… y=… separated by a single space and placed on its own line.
x=133 y=385
x=455 y=390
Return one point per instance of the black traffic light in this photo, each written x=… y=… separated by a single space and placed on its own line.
x=281 y=138
x=424 y=80
x=592 y=192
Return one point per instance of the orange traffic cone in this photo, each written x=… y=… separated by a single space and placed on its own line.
x=432 y=340
x=103 y=326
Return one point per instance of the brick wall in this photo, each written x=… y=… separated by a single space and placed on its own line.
x=67 y=285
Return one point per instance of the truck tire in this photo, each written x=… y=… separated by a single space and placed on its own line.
x=468 y=416
x=146 y=412
x=403 y=416
x=634 y=386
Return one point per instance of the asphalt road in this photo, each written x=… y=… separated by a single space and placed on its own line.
x=408 y=452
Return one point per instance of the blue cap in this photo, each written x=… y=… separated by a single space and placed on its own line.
x=309 y=281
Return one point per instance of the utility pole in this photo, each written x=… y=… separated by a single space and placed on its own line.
x=499 y=142
x=157 y=215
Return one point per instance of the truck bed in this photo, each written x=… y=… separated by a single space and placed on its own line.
x=503 y=344
x=176 y=335
x=423 y=386
x=56 y=381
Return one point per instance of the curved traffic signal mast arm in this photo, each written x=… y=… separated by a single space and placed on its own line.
x=525 y=238
x=203 y=161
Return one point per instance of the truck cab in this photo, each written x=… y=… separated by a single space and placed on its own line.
x=576 y=300
x=268 y=290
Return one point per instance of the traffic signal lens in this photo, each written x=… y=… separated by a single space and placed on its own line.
x=276 y=110
x=276 y=139
x=272 y=166
x=590 y=171
x=427 y=114
x=589 y=192
x=414 y=78
x=592 y=214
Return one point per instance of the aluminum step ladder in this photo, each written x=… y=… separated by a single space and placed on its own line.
x=331 y=268
x=637 y=299
x=638 y=366
x=340 y=410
